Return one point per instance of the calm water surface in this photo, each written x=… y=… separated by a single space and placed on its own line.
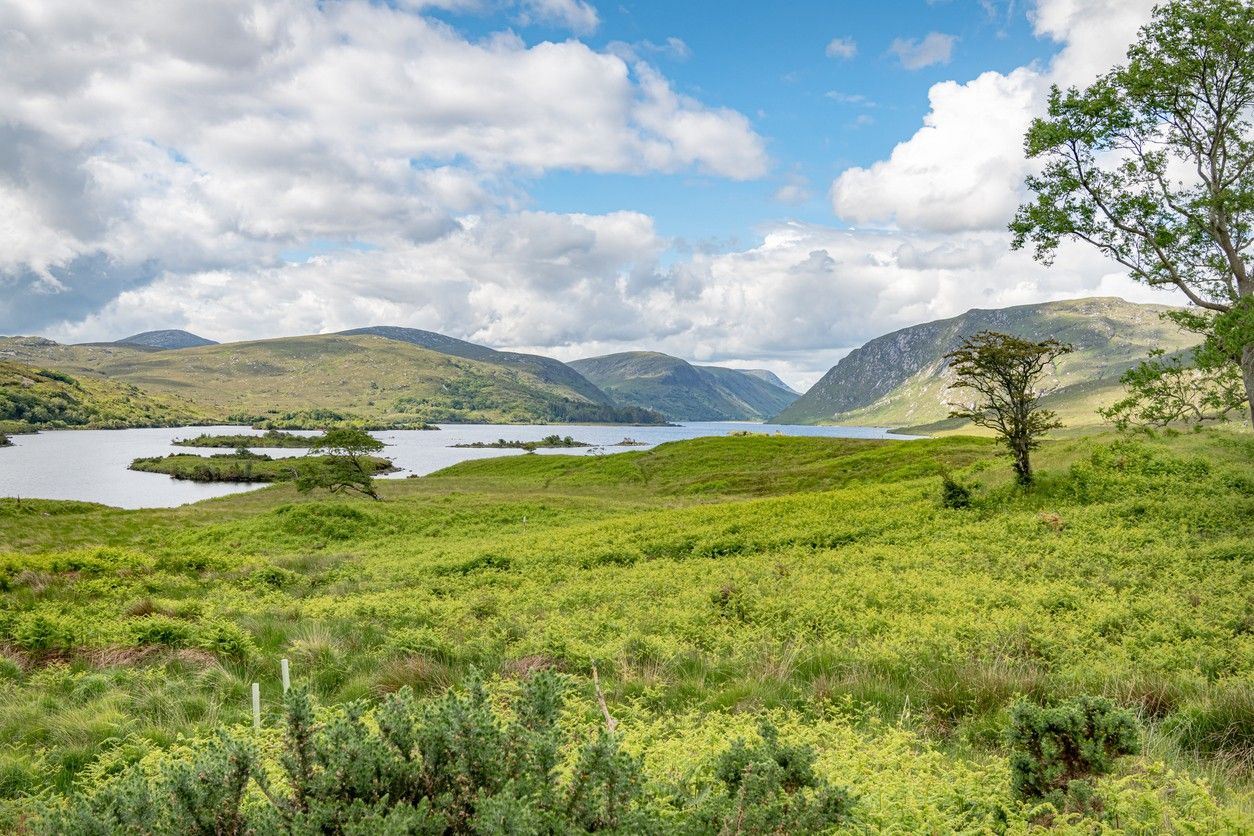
x=90 y=465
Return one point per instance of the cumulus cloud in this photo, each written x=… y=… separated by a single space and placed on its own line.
x=914 y=54
x=195 y=136
x=841 y=48
x=964 y=168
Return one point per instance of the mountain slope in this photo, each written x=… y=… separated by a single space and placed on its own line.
x=901 y=379
x=315 y=378
x=545 y=368
x=173 y=338
x=682 y=391
x=32 y=399
x=770 y=377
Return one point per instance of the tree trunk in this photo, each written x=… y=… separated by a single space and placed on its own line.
x=1247 y=372
x=1023 y=464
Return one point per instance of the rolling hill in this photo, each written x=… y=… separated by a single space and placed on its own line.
x=34 y=398
x=311 y=380
x=902 y=380
x=682 y=391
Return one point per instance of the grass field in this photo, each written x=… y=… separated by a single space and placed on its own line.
x=715 y=581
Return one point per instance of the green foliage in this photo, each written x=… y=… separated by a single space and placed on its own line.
x=270 y=438
x=772 y=787
x=1004 y=372
x=1057 y=750
x=1164 y=390
x=346 y=466
x=954 y=494
x=719 y=583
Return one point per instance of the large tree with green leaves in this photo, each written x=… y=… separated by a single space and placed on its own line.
x=1153 y=164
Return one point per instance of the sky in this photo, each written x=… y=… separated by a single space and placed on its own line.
x=749 y=184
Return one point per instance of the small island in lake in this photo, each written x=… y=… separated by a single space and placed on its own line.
x=271 y=438
x=242 y=466
x=549 y=441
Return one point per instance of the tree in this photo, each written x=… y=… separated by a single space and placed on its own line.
x=1164 y=390
x=1153 y=165
x=1003 y=371
x=343 y=463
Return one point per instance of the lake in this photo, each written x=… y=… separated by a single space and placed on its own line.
x=90 y=465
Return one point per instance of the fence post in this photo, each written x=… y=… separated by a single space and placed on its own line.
x=287 y=679
x=256 y=707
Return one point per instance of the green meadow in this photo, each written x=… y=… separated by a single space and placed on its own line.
x=820 y=583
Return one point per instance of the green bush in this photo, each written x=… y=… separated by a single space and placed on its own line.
x=452 y=765
x=1055 y=750
x=161 y=630
x=772 y=788
x=954 y=494
x=43 y=632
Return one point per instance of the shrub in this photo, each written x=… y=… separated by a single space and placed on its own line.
x=954 y=494
x=451 y=765
x=772 y=788
x=1055 y=750
x=161 y=630
x=45 y=632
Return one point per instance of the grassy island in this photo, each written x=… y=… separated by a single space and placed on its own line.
x=549 y=441
x=239 y=466
x=271 y=438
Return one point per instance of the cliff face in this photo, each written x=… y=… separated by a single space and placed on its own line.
x=902 y=379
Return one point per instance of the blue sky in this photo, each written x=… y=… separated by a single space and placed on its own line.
x=818 y=114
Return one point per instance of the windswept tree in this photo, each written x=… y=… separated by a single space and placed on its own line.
x=343 y=463
x=1153 y=164
x=1004 y=373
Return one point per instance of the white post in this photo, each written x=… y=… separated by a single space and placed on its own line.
x=256 y=707
x=287 y=679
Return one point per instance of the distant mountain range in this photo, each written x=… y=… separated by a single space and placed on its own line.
x=902 y=380
x=383 y=376
x=684 y=392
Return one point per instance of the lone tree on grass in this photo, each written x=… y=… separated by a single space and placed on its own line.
x=1153 y=164
x=344 y=463
x=1003 y=372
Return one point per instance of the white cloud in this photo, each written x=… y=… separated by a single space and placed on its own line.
x=964 y=168
x=579 y=285
x=914 y=54
x=841 y=48
x=216 y=135
x=576 y=15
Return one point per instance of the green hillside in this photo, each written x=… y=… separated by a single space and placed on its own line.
x=716 y=583
x=901 y=379
x=36 y=398
x=314 y=379
x=682 y=391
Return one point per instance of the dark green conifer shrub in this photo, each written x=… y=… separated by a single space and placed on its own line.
x=954 y=494
x=452 y=765
x=1056 y=750
x=771 y=788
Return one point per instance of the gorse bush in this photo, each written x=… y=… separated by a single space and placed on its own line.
x=954 y=494
x=452 y=765
x=1056 y=750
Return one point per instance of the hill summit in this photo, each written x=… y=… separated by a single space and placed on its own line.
x=167 y=339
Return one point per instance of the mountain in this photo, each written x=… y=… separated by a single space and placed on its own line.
x=901 y=379
x=545 y=368
x=771 y=378
x=166 y=339
x=312 y=380
x=682 y=391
